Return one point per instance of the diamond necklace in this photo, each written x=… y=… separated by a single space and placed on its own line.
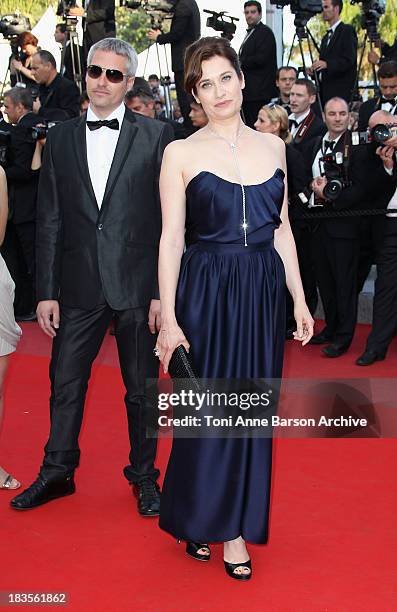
x=233 y=148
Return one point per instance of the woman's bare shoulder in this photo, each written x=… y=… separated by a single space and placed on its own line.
x=271 y=140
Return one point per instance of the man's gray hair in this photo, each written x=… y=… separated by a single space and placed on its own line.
x=120 y=47
x=20 y=95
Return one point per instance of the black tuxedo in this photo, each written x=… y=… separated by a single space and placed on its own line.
x=185 y=29
x=314 y=128
x=339 y=78
x=366 y=110
x=99 y=22
x=258 y=58
x=59 y=100
x=98 y=263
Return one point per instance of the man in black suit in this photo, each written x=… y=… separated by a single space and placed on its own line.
x=337 y=64
x=58 y=97
x=97 y=251
x=304 y=124
x=335 y=240
x=185 y=29
x=99 y=21
x=258 y=59
x=384 y=320
x=72 y=54
x=22 y=187
x=387 y=101
x=285 y=78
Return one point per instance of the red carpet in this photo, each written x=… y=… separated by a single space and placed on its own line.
x=333 y=536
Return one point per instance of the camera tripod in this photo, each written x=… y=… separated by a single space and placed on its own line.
x=302 y=33
x=368 y=38
x=165 y=81
x=72 y=40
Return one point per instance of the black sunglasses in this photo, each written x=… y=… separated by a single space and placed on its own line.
x=113 y=76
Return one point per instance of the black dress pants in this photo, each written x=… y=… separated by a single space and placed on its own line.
x=74 y=349
x=336 y=262
x=384 y=322
x=183 y=100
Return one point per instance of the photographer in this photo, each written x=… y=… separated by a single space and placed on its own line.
x=70 y=55
x=337 y=63
x=285 y=78
x=387 y=101
x=23 y=49
x=384 y=320
x=58 y=97
x=99 y=20
x=304 y=124
x=338 y=171
x=185 y=29
x=22 y=185
x=258 y=59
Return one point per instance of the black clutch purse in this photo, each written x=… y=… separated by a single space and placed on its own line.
x=181 y=366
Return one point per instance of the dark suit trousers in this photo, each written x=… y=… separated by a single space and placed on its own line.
x=336 y=261
x=384 y=321
x=183 y=100
x=74 y=349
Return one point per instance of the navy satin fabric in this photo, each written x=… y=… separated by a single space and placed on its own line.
x=230 y=303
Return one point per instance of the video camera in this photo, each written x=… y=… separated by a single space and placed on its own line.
x=219 y=23
x=378 y=134
x=12 y=25
x=158 y=10
x=302 y=9
x=371 y=12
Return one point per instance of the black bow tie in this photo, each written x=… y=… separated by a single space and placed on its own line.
x=329 y=144
x=386 y=101
x=112 y=124
x=293 y=123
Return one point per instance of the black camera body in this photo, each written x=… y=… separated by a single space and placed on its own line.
x=335 y=171
x=371 y=12
x=38 y=132
x=158 y=10
x=378 y=134
x=219 y=22
x=302 y=9
x=13 y=25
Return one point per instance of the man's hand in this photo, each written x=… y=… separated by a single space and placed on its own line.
x=373 y=57
x=76 y=11
x=154 y=320
x=48 y=317
x=387 y=156
x=154 y=34
x=16 y=64
x=318 y=185
x=319 y=65
x=392 y=142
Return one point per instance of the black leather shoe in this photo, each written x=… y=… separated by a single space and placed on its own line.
x=320 y=338
x=369 y=357
x=334 y=350
x=43 y=491
x=148 y=493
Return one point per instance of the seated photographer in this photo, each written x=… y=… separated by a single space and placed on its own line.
x=22 y=187
x=339 y=171
x=304 y=124
x=384 y=320
x=23 y=48
x=285 y=78
x=387 y=101
x=141 y=100
x=273 y=119
x=58 y=97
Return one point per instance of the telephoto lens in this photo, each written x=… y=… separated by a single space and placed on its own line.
x=382 y=132
x=333 y=188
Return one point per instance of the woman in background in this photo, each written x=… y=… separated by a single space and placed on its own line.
x=9 y=330
x=26 y=44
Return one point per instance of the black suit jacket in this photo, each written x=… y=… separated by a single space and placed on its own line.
x=185 y=29
x=341 y=56
x=22 y=182
x=99 y=23
x=86 y=255
x=366 y=110
x=60 y=100
x=303 y=142
x=258 y=58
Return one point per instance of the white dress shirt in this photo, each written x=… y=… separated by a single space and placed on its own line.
x=101 y=145
x=299 y=120
x=392 y=205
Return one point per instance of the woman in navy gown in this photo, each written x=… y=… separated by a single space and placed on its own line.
x=223 y=194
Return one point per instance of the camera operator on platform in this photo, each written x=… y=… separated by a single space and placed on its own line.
x=185 y=29
x=337 y=64
x=58 y=97
x=285 y=78
x=258 y=59
x=384 y=319
x=22 y=187
x=23 y=49
x=99 y=21
x=387 y=101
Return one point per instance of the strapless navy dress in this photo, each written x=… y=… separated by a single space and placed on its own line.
x=230 y=303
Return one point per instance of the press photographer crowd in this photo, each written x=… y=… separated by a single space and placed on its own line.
x=340 y=151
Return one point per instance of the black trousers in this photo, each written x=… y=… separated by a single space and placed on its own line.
x=336 y=262
x=74 y=349
x=183 y=100
x=19 y=254
x=384 y=322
